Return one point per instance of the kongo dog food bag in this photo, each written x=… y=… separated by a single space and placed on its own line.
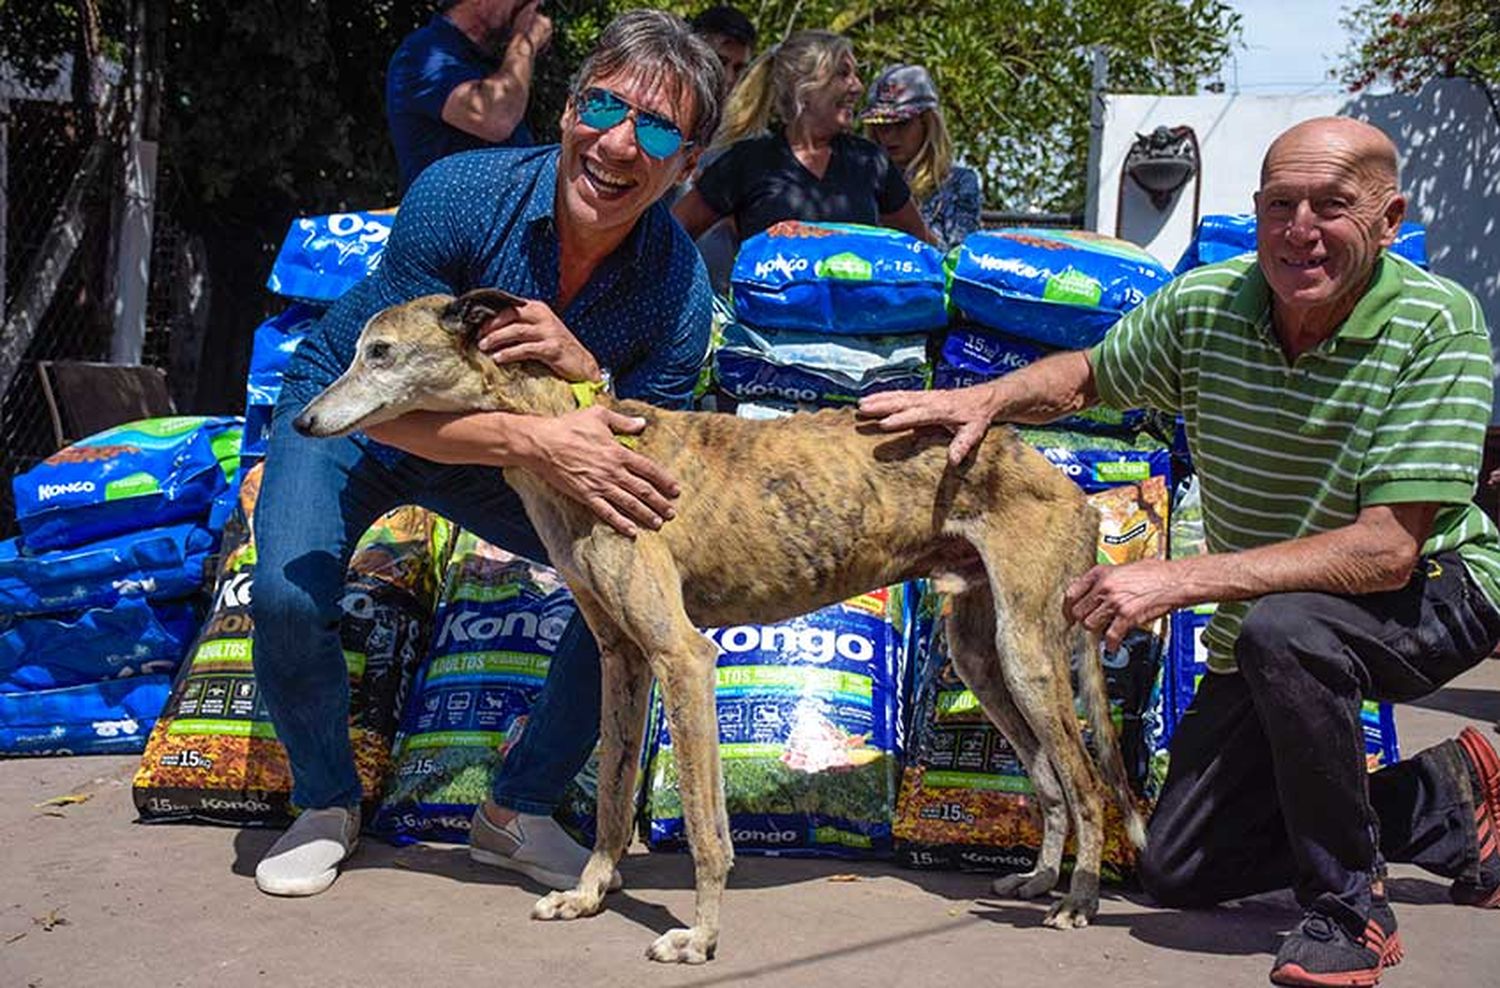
x=132 y=638
x=1188 y=664
x=109 y=718
x=214 y=755
x=499 y=620
x=838 y=278
x=1221 y=236
x=157 y=564
x=808 y=712
x=971 y=354
x=323 y=257
x=276 y=340
x=1097 y=462
x=814 y=369
x=1061 y=288
x=135 y=476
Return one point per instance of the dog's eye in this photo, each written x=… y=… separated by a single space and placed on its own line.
x=378 y=351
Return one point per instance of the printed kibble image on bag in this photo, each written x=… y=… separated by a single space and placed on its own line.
x=1063 y=288
x=214 y=755
x=808 y=711
x=966 y=801
x=838 y=278
x=498 y=625
x=139 y=475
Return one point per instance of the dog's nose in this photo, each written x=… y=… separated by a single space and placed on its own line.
x=304 y=423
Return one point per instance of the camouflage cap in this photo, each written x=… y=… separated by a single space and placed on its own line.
x=898 y=94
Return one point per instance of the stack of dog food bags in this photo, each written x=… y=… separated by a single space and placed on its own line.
x=965 y=800
x=320 y=259
x=827 y=313
x=808 y=713
x=1221 y=236
x=499 y=622
x=213 y=755
x=1019 y=294
x=1187 y=661
x=100 y=594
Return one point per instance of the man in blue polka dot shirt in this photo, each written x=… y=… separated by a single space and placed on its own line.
x=614 y=283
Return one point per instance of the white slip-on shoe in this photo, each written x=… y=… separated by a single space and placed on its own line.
x=305 y=859
x=534 y=845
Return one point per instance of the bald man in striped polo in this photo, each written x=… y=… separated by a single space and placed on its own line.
x=1336 y=398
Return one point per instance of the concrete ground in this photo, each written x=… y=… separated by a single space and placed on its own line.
x=89 y=897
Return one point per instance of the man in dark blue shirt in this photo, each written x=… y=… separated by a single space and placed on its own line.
x=614 y=283
x=462 y=81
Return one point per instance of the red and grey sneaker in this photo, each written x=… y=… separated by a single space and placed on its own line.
x=1321 y=952
x=1484 y=781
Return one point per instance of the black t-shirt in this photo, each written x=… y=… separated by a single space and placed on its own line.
x=759 y=181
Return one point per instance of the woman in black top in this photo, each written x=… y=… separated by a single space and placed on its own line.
x=802 y=163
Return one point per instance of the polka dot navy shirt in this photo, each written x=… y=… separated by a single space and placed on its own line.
x=483 y=219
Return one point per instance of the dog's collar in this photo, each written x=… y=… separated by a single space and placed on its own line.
x=584 y=395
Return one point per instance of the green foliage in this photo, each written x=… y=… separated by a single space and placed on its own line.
x=1407 y=42
x=1015 y=75
x=276 y=109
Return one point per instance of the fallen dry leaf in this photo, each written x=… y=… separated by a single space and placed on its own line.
x=66 y=800
x=50 y=919
x=844 y=878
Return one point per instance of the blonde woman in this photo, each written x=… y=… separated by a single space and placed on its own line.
x=904 y=118
x=788 y=150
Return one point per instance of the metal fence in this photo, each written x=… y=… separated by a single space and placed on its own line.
x=45 y=146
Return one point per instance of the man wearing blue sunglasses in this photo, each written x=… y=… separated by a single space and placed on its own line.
x=605 y=278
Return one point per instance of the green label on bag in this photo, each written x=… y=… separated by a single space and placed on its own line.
x=1073 y=287
x=1122 y=471
x=135 y=485
x=844 y=267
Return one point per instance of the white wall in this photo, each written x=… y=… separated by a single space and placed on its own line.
x=1447 y=136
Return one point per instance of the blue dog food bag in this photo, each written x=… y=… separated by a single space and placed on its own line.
x=1061 y=288
x=498 y=623
x=1221 y=236
x=323 y=257
x=816 y=369
x=132 y=638
x=109 y=718
x=971 y=354
x=838 y=278
x=157 y=564
x=276 y=340
x=808 y=711
x=135 y=476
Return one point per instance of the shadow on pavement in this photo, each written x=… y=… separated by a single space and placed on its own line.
x=1475 y=704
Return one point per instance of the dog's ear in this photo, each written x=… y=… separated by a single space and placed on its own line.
x=466 y=314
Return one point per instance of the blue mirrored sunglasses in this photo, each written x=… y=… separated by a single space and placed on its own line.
x=603 y=110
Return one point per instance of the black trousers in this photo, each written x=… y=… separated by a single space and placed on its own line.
x=1268 y=786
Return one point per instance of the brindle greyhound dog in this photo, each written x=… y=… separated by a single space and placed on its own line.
x=776 y=519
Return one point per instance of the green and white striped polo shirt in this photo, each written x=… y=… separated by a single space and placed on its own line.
x=1391 y=409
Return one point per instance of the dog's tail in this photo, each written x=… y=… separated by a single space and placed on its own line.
x=1095 y=697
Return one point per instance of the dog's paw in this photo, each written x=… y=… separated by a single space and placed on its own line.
x=572 y=904
x=689 y=946
x=1071 y=913
x=1028 y=885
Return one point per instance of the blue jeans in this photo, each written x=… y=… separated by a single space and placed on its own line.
x=317 y=497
